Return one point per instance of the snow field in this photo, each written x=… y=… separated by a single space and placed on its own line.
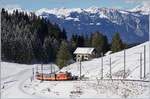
x=17 y=80
x=87 y=89
x=92 y=69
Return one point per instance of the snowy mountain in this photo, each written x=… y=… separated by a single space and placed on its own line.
x=132 y=26
x=144 y=9
x=16 y=78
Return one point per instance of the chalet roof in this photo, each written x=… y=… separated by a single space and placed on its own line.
x=108 y=53
x=83 y=50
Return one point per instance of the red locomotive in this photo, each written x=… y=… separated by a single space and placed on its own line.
x=56 y=77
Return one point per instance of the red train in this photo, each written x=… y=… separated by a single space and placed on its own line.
x=56 y=77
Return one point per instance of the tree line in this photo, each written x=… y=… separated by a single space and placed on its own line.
x=27 y=38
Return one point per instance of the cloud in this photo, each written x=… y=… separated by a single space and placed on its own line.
x=10 y=6
x=138 y=1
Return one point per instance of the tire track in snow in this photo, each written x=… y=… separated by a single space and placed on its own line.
x=21 y=77
x=7 y=81
x=4 y=78
x=20 y=87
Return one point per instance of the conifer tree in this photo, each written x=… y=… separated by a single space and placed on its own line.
x=87 y=41
x=106 y=45
x=63 y=34
x=99 y=42
x=117 y=43
x=29 y=38
x=48 y=49
x=63 y=55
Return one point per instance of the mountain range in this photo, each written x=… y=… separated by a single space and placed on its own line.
x=131 y=24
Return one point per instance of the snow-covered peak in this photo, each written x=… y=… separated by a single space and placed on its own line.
x=123 y=12
x=58 y=11
x=65 y=12
x=92 y=9
x=144 y=9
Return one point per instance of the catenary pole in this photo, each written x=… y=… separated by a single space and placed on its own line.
x=144 y=61
x=80 y=69
x=102 y=66
x=37 y=69
x=33 y=73
x=51 y=68
x=0 y=38
x=140 y=65
x=124 y=64
x=42 y=70
x=110 y=68
x=149 y=48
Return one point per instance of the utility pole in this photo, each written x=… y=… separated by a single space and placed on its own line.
x=140 y=65
x=80 y=69
x=149 y=40
x=54 y=69
x=144 y=61
x=33 y=73
x=110 y=69
x=101 y=65
x=0 y=41
x=124 y=76
x=37 y=69
x=42 y=70
x=51 y=68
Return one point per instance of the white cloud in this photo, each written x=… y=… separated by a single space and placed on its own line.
x=142 y=5
x=142 y=2
x=10 y=6
x=137 y=1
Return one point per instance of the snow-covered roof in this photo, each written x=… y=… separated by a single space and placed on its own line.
x=84 y=50
x=108 y=53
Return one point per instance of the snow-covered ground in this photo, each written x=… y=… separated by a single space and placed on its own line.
x=92 y=69
x=17 y=80
x=13 y=77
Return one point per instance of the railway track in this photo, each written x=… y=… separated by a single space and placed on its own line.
x=102 y=80
x=126 y=80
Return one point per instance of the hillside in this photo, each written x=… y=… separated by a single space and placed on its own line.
x=18 y=77
x=92 y=69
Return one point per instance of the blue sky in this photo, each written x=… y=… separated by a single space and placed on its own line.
x=37 y=4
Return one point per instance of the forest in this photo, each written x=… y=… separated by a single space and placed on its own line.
x=28 y=39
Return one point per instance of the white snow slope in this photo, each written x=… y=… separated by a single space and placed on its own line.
x=16 y=79
x=13 y=77
x=92 y=69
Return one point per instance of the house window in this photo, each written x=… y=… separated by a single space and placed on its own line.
x=86 y=57
x=78 y=60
